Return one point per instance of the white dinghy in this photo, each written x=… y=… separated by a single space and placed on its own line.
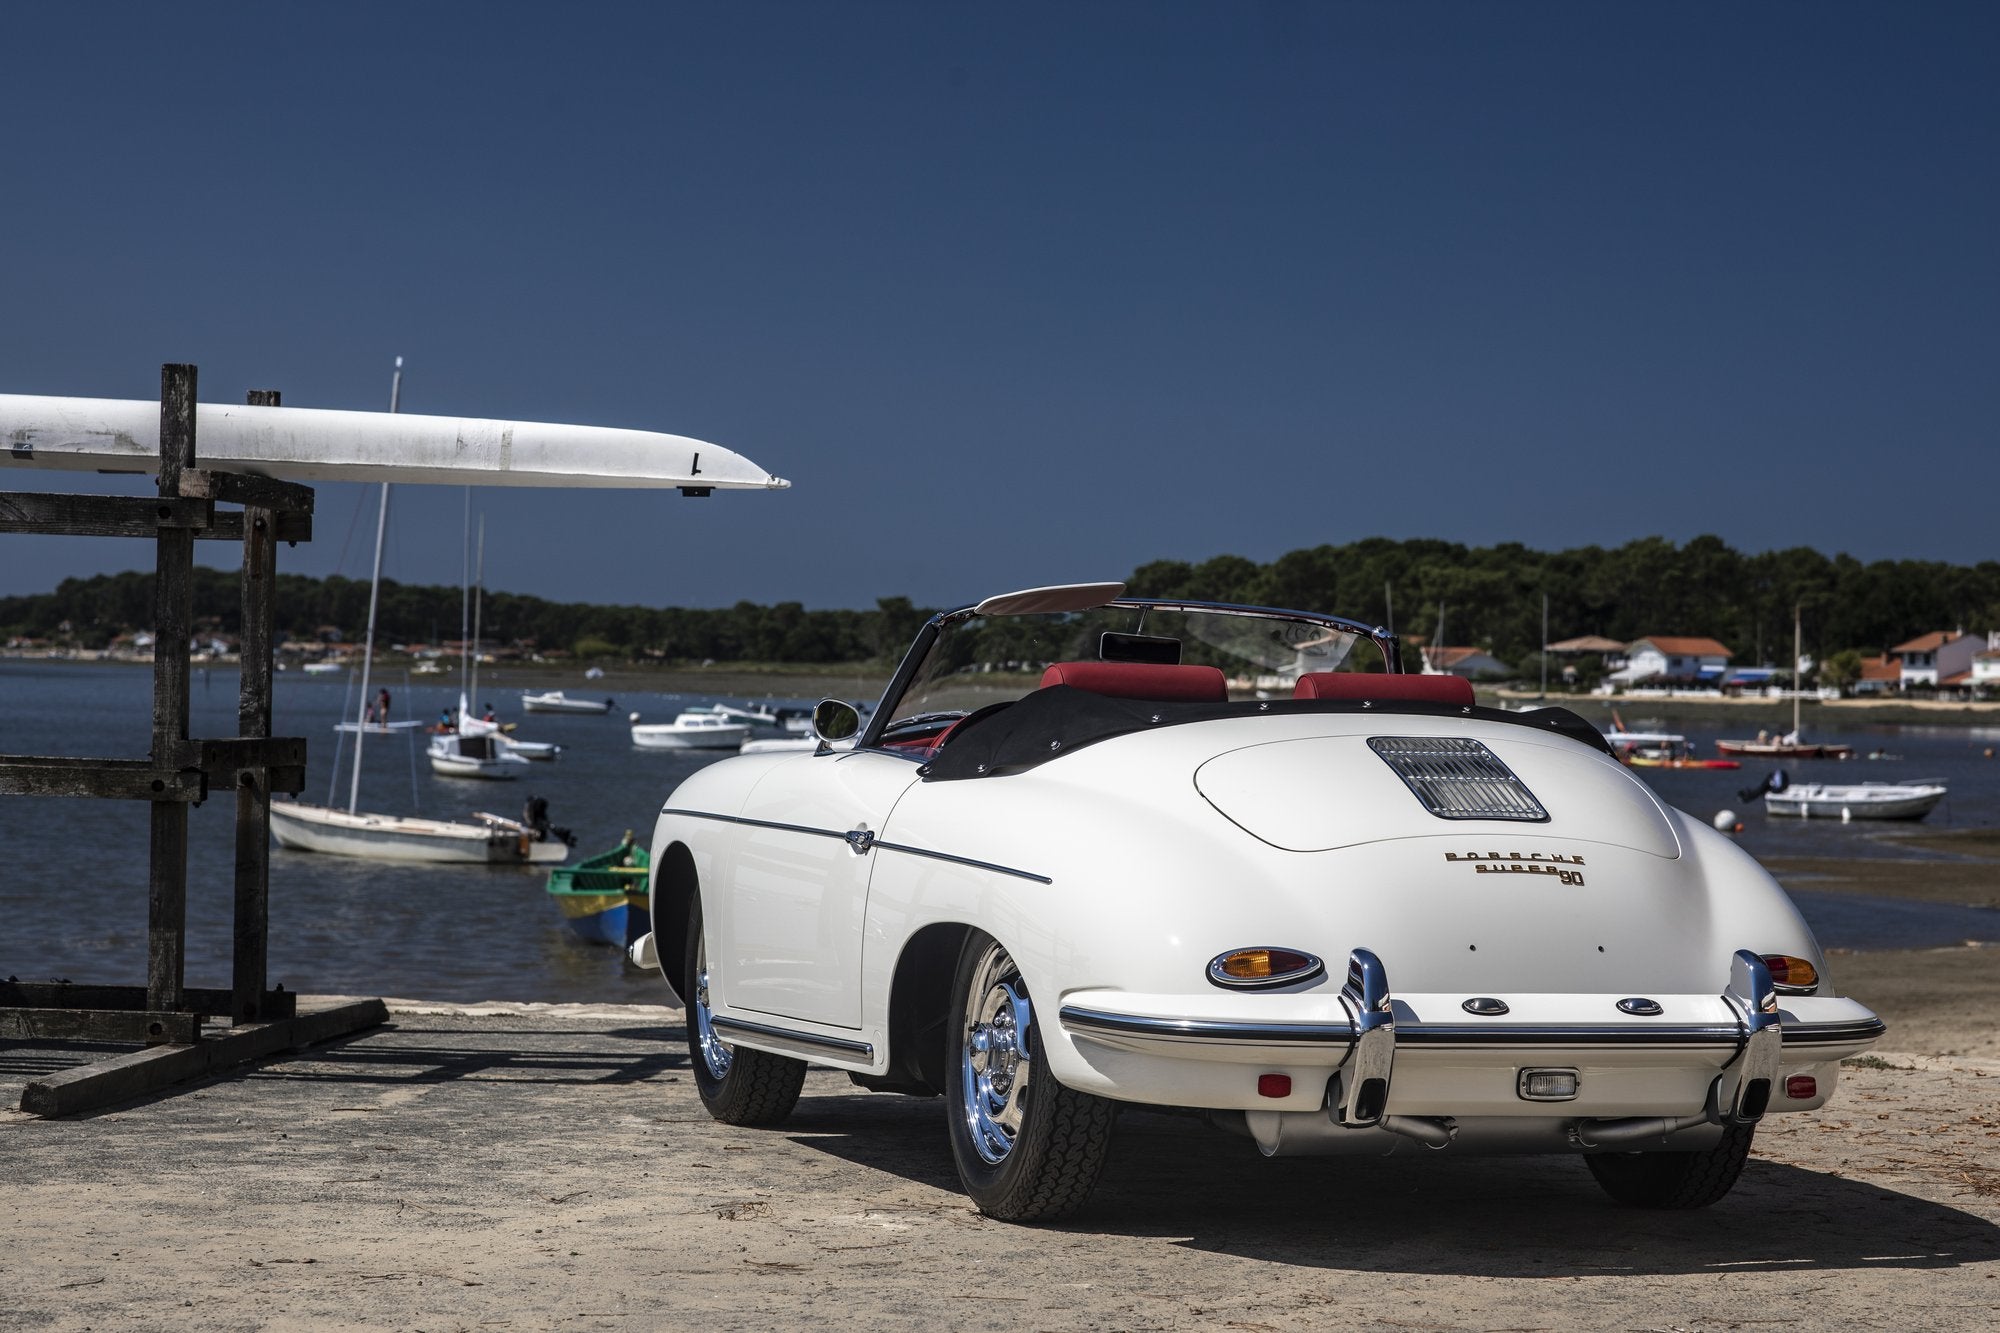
x=1855 y=800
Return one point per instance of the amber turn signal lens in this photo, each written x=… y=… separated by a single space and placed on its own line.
x=1263 y=967
x=1791 y=974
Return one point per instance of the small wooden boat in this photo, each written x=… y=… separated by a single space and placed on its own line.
x=555 y=701
x=1784 y=748
x=1856 y=800
x=604 y=897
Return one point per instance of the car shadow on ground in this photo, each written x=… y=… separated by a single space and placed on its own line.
x=1176 y=1179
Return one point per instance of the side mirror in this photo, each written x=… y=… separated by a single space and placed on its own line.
x=836 y=722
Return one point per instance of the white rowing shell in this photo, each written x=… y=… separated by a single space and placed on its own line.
x=319 y=444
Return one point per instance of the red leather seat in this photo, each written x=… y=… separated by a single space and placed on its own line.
x=1142 y=680
x=1384 y=688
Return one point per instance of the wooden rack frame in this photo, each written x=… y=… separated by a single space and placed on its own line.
x=179 y=772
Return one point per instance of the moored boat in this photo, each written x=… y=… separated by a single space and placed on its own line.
x=1659 y=749
x=604 y=897
x=1785 y=747
x=1855 y=800
x=555 y=701
x=489 y=841
x=692 y=730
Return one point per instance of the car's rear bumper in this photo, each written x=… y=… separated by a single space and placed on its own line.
x=1358 y=1058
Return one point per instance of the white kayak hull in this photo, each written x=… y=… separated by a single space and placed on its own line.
x=321 y=444
x=312 y=828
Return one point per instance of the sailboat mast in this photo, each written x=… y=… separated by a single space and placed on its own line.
x=478 y=586
x=1799 y=647
x=374 y=596
x=465 y=615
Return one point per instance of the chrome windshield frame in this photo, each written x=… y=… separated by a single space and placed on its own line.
x=1386 y=643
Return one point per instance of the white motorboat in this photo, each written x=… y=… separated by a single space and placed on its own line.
x=490 y=841
x=507 y=745
x=692 y=730
x=555 y=701
x=1855 y=800
x=457 y=755
x=323 y=668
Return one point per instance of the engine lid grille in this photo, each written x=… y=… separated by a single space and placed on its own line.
x=1455 y=778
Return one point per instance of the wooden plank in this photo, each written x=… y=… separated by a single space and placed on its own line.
x=173 y=622
x=100 y=515
x=228 y=526
x=279 y=1003
x=253 y=797
x=240 y=752
x=123 y=1077
x=244 y=489
x=98 y=1025
x=126 y=779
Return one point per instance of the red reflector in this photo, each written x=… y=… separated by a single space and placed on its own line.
x=1802 y=1087
x=1274 y=1085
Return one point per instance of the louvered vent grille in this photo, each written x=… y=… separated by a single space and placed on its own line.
x=1458 y=779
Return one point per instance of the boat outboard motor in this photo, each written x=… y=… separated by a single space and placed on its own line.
x=1774 y=783
x=535 y=814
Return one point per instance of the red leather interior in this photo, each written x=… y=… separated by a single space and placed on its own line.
x=1142 y=680
x=1374 y=685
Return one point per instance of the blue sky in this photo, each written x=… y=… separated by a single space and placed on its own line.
x=1024 y=293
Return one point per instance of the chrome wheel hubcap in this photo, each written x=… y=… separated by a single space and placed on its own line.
x=715 y=1052
x=995 y=1069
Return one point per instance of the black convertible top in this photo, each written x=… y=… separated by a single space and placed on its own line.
x=1052 y=722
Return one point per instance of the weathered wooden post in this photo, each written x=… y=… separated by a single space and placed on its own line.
x=253 y=720
x=173 y=624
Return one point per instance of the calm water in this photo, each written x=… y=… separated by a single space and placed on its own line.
x=73 y=903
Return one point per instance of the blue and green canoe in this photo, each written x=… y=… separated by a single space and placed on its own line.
x=603 y=897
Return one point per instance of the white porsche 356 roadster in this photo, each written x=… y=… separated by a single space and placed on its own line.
x=1060 y=869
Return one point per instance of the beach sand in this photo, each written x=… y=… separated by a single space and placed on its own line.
x=536 y=1166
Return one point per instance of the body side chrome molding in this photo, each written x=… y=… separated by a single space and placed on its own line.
x=803 y=1043
x=872 y=844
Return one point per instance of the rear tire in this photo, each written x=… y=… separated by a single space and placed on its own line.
x=738 y=1085
x=1028 y=1149
x=1674 y=1179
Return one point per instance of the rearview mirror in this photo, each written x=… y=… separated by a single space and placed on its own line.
x=835 y=720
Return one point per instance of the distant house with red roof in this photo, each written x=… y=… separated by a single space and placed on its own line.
x=1879 y=675
x=1937 y=659
x=1471 y=663
x=1674 y=658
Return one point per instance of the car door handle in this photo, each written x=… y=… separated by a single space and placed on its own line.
x=860 y=839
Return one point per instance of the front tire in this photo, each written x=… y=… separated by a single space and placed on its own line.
x=1679 y=1180
x=738 y=1085
x=1028 y=1149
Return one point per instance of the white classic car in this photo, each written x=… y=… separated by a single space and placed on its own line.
x=1061 y=869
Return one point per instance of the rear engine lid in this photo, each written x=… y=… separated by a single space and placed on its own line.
x=1315 y=794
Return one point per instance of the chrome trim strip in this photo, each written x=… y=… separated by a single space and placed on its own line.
x=1807 y=1034
x=810 y=1042
x=1591 y=1034
x=963 y=861
x=846 y=836
x=1205 y=1030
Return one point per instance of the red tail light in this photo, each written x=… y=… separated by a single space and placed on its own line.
x=1802 y=1087
x=1274 y=1085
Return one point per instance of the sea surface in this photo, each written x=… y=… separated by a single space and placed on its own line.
x=73 y=878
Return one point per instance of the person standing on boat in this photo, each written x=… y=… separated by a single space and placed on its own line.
x=382 y=706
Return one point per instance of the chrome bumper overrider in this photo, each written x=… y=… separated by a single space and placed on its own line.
x=1363 y=1047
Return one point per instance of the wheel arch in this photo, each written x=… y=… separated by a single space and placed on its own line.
x=675 y=883
x=920 y=1009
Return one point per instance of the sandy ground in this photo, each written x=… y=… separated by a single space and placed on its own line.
x=543 y=1167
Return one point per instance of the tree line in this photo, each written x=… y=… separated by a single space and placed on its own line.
x=1488 y=597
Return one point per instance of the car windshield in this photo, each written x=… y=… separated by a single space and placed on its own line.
x=980 y=660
